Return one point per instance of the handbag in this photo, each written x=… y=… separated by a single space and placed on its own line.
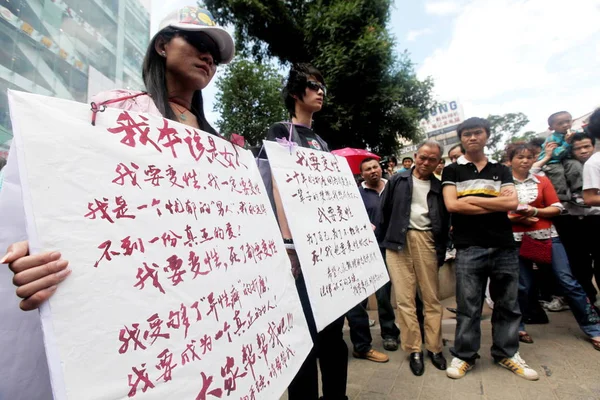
x=537 y=250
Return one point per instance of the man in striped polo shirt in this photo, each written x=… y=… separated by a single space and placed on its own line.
x=479 y=193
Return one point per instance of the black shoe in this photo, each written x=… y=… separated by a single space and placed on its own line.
x=452 y=310
x=416 y=364
x=390 y=344
x=438 y=360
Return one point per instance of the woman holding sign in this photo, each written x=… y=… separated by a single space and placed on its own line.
x=303 y=95
x=181 y=60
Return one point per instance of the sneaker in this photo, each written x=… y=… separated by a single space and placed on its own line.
x=519 y=367
x=390 y=344
x=371 y=323
x=557 y=304
x=458 y=368
x=372 y=355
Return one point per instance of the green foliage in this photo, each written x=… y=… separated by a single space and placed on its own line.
x=504 y=130
x=249 y=100
x=373 y=95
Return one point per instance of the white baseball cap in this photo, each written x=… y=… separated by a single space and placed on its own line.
x=196 y=19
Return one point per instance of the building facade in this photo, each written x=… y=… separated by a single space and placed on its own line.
x=70 y=49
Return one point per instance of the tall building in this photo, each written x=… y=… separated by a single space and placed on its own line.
x=70 y=49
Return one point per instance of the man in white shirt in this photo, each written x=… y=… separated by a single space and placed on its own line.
x=591 y=193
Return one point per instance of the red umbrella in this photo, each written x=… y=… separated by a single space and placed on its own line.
x=354 y=157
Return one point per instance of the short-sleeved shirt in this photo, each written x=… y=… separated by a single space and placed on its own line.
x=308 y=137
x=485 y=230
x=591 y=173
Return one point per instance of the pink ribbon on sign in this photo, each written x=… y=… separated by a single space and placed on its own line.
x=288 y=142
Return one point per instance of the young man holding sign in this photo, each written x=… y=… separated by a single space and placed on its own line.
x=304 y=95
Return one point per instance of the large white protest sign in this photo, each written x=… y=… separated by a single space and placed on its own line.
x=336 y=246
x=181 y=287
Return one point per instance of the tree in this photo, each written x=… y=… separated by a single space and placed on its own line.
x=503 y=129
x=373 y=95
x=249 y=100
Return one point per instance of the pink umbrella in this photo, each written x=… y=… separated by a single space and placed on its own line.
x=355 y=157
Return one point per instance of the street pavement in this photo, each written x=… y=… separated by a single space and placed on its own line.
x=568 y=365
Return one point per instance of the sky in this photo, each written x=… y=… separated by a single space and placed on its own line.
x=501 y=56
x=493 y=56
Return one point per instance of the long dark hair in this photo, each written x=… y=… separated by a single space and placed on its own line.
x=154 y=75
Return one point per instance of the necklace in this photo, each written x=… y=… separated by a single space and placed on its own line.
x=181 y=115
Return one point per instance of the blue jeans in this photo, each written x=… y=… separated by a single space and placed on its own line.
x=584 y=313
x=474 y=265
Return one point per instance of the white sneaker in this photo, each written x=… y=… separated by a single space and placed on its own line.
x=458 y=368
x=557 y=304
x=519 y=367
x=371 y=323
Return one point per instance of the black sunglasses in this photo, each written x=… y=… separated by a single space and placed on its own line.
x=314 y=85
x=203 y=43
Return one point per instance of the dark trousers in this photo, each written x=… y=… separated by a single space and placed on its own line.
x=358 y=319
x=474 y=265
x=330 y=350
x=584 y=313
x=579 y=235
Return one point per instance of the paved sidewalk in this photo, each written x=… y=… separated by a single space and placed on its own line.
x=569 y=368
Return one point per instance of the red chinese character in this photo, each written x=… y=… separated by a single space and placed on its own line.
x=121 y=210
x=191 y=238
x=249 y=358
x=206 y=382
x=212 y=149
x=213 y=182
x=198 y=314
x=153 y=175
x=170 y=240
x=195 y=266
x=130 y=335
x=212 y=259
x=166 y=365
x=190 y=178
x=300 y=159
x=149 y=273
x=206 y=343
x=131 y=128
x=195 y=146
x=223 y=331
x=263 y=347
x=101 y=207
x=170 y=134
x=125 y=172
x=212 y=302
x=155 y=324
x=191 y=208
x=106 y=253
x=174 y=266
x=141 y=376
x=129 y=246
x=190 y=351
x=219 y=233
x=233 y=256
x=172 y=175
x=230 y=375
